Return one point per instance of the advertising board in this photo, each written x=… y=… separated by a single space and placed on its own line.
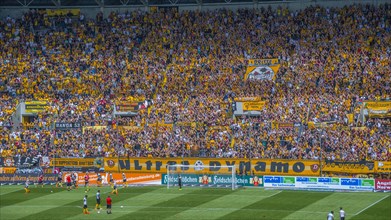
x=12 y=179
x=199 y=179
x=131 y=178
x=383 y=184
x=319 y=183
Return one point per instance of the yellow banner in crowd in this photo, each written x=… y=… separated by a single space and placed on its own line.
x=125 y=106
x=7 y=170
x=35 y=106
x=133 y=128
x=378 y=105
x=96 y=128
x=350 y=118
x=258 y=166
x=248 y=99
x=254 y=106
x=348 y=167
x=262 y=69
x=383 y=166
x=63 y=12
x=72 y=162
x=278 y=125
x=186 y=124
x=378 y=108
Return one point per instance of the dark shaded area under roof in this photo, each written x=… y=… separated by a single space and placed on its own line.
x=64 y=3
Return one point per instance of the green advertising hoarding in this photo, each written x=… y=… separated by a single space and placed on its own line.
x=368 y=182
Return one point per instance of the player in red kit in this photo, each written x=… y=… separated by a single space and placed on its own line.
x=86 y=179
x=108 y=203
x=69 y=182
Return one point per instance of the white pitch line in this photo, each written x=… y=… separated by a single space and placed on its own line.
x=176 y=208
x=208 y=195
x=209 y=209
x=50 y=206
x=372 y=204
x=274 y=194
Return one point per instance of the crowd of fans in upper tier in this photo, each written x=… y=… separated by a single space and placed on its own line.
x=187 y=63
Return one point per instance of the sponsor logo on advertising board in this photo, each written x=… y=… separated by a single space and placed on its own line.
x=383 y=184
x=21 y=178
x=131 y=178
x=199 y=179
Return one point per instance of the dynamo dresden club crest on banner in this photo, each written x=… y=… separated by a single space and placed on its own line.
x=262 y=69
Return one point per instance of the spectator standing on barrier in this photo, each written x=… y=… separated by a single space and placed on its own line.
x=341 y=214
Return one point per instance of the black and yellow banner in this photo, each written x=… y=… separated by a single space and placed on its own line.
x=262 y=69
x=35 y=106
x=258 y=166
x=383 y=166
x=348 y=167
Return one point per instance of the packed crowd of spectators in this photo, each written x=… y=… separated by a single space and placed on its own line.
x=186 y=63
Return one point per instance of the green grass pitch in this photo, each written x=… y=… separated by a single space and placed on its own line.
x=154 y=202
